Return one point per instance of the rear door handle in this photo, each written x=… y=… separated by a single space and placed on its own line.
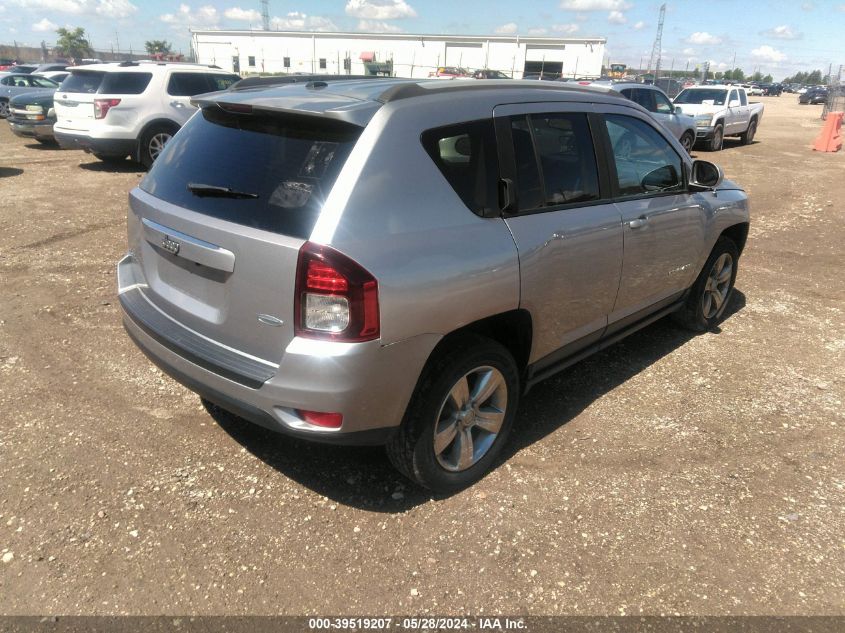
x=638 y=223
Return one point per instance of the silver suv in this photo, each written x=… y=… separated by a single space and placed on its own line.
x=396 y=262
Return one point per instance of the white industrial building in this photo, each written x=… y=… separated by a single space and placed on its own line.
x=397 y=54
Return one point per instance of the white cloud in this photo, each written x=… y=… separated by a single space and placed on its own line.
x=703 y=37
x=105 y=8
x=204 y=17
x=242 y=15
x=689 y=51
x=296 y=21
x=566 y=29
x=375 y=26
x=44 y=25
x=616 y=17
x=767 y=53
x=639 y=26
x=507 y=29
x=595 y=5
x=783 y=32
x=380 y=9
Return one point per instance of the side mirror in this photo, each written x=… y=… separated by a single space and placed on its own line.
x=705 y=176
x=677 y=109
x=734 y=103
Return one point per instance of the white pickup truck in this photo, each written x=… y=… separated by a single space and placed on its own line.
x=720 y=111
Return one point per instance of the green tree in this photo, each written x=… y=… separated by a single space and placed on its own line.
x=768 y=79
x=814 y=78
x=757 y=76
x=158 y=46
x=720 y=76
x=72 y=43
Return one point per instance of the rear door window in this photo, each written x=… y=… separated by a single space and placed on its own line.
x=277 y=169
x=187 y=84
x=125 y=83
x=466 y=156
x=221 y=82
x=85 y=82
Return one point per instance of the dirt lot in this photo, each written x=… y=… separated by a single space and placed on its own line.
x=669 y=474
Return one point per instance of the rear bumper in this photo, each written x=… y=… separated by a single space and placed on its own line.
x=368 y=383
x=116 y=147
x=33 y=129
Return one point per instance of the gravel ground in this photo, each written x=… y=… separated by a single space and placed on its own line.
x=669 y=474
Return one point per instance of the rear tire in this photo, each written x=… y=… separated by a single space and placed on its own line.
x=153 y=142
x=711 y=293
x=467 y=398
x=748 y=136
x=718 y=138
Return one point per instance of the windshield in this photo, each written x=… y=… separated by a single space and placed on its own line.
x=699 y=96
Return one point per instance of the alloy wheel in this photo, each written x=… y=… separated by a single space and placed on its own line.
x=718 y=286
x=470 y=418
x=157 y=143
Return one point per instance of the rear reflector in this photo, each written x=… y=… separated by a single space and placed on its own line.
x=327 y=420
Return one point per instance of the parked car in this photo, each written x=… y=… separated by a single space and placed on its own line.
x=130 y=108
x=50 y=67
x=6 y=63
x=23 y=69
x=721 y=111
x=12 y=84
x=32 y=116
x=657 y=102
x=284 y=264
x=813 y=96
x=772 y=90
x=449 y=72
x=486 y=73
x=754 y=90
x=55 y=75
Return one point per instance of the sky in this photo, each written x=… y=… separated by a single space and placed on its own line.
x=775 y=37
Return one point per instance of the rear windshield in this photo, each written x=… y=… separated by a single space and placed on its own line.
x=87 y=81
x=279 y=170
x=125 y=83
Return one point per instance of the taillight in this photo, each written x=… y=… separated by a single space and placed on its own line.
x=102 y=107
x=336 y=299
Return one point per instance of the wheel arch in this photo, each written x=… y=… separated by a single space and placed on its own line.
x=512 y=329
x=738 y=233
x=170 y=123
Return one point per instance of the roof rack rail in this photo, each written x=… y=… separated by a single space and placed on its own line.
x=127 y=63
x=278 y=80
x=414 y=89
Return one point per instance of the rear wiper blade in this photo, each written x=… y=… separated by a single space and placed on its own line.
x=213 y=191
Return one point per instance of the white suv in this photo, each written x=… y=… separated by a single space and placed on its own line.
x=130 y=108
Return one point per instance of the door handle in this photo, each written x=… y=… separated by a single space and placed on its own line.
x=638 y=223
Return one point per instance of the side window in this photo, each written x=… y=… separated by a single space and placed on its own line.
x=662 y=103
x=645 y=161
x=221 y=82
x=731 y=97
x=645 y=98
x=125 y=83
x=322 y=63
x=8 y=81
x=556 y=163
x=743 y=99
x=466 y=156
x=251 y=60
x=187 y=84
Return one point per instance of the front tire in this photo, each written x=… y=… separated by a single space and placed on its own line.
x=711 y=292
x=687 y=141
x=718 y=138
x=5 y=110
x=459 y=416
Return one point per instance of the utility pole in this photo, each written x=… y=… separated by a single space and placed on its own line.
x=265 y=14
x=657 y=48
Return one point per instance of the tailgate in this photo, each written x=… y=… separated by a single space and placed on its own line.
x=74 y=100
x=217 y=224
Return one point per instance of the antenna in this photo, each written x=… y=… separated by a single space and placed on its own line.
x=265 y=14
x=657 y=49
